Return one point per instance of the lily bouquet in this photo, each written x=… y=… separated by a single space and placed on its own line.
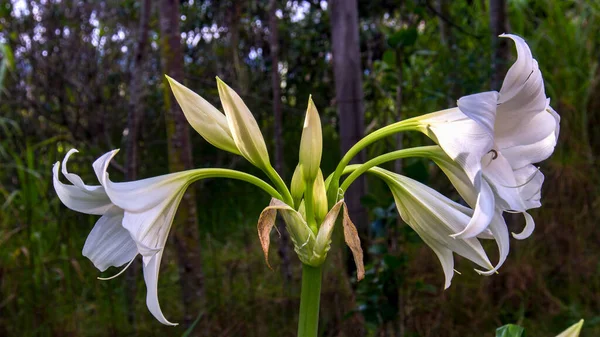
x=487 y=146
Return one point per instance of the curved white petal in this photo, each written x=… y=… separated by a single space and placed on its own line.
x=151 y=271
x=109 y=244
x=529 y=227
x=522 y=94
x=500 y=234
x=500 y=176
x=85 y=199
x=481 y=200
x=140 y=195
x=481 y=108
x=463 y=139
x=523 y=155
x=482 y=215
x=434 y=217
x=556 y=118
x=207 y=120
x=530 y=180
x=446 y=260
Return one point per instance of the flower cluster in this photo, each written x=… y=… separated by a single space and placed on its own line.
x=486 y=147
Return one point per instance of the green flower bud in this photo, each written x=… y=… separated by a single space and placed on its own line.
x=319 y=198
x=243 y=126
x=298 y=185
x=311 y=143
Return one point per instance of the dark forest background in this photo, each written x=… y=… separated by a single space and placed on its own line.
x=89 y=75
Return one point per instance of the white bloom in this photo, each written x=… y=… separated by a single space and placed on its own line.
x=435 y=217
x=136 y=218
x=496 y=137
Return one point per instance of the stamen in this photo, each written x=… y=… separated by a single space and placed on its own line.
x=119 y=273
x=529 y=179
x=494 y=154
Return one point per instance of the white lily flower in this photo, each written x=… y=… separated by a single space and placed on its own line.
x=435 y=217
x=137 y=217
x=496 y=137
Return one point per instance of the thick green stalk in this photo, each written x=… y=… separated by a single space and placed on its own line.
x=280 y=185
x=408 y=124
x=422 y=151
x=237 y=175
x=310 y=297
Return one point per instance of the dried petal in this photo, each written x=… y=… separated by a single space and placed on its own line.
x=353 y=241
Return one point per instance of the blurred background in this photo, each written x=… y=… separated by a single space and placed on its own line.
x=89 y=75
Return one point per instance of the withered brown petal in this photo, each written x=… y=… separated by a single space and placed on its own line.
x=353 y=241
x=266 y=221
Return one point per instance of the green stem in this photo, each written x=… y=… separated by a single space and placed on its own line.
x=308 y=207
x=280 y=184
x=310 y=297
x=407 y=124
x=233 y=174
x=422 y=151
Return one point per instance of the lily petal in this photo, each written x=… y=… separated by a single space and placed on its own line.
x=207 y=120
x=79 y=197
x=481 y=108
x=529 y=227
x=151 y=270
x=468 y=149
x=500 y=234
x=483 y=213
x=522 y=94
x=109 y=244
x=500 y=175
x=434 y=217
x=530 y=180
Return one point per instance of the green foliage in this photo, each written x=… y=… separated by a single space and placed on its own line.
x=510 y=330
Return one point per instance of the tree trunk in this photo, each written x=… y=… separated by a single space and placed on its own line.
x=134 y=118
x=278 y=126
x=498 y=25
x=349 y=94
x=349 y=98
x=185 y=226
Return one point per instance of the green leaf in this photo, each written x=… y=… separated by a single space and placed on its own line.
x=389 y=57
x=403 y=38
x=510 y=330
x=191 y=328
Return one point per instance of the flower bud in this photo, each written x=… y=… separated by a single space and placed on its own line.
x=243 y=126
x=298 y=185
x=319 y=197
x=311 y=143
x=209 y=122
